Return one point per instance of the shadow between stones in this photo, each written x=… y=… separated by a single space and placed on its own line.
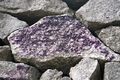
x=75 y=4
x=2 y=43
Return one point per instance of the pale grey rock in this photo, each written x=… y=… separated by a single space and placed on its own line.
x=17 y=71
x=111 y=37
x=51 y=75
x=99 y=13
x=65 y=78
x=86 y=69
x=112 y=71
x=8 y=24
x=5 y=53
x=57 y=42
x=34 y=8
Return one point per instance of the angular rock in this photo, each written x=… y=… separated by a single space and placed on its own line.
x=100 y=13
x=75 y=4
x=111 y=37
x=8 y=24
x=86 y=69
x=5 y=53
x=57 y=42
x=65 y=78
x=112 y=71
x=34 y=8
x=17 y=71
x=51 y=75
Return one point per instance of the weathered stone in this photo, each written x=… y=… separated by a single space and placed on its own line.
x=111 y=37
x=75 y=4
x=65 y=78
x=8 y=24
x=17 y=71
x=51 y=75
x=34 y=8
x=57 y=42
x=112 y=71
x=5 y=53
x=86 y=69
x=100 y=13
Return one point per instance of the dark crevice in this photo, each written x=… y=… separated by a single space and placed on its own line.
x=2 y=42
x=75 y=4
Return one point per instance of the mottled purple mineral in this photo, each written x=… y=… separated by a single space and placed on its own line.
x=57 y=36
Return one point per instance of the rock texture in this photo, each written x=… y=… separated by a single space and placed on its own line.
x=111 y=37
x=8 y=24
x=5 y=53
x=17 y=71
x=51 y=75
x=86 y=69
x=100 y=13
x=57 y=42
x=33 y=8
x=112 y=71
x=75 y=4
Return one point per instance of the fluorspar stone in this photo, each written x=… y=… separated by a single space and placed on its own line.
x=57 y=41
x=17 y=71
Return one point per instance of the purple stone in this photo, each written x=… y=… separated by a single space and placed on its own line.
x=55 y=35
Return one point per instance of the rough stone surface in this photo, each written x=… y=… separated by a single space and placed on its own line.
x=100 y=12
x=111 y=37
x=53 y=74
x=86 y=69
x=34 y=8
x=8 y=24
x=75 y=4
x=5 y=53
x=65 y=78
x=17 y=71
x=56 y=42
x=112 y=71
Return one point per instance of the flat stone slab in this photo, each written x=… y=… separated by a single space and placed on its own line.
x=5 y=53
x=86 y=69
x=17 y=71
x=34 y=8
x=53 y=74
x=100 y=12
x=57 y=41
x=112 y=71
x=8 y=24
x=111 y=37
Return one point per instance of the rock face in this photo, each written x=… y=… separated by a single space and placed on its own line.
x=112 y=71
x=34 y=8
x=8 y=24
x=111 y=37
x=100 y=12
x=5 y=53
x=17 y=71
x=57 y=42
x=53 y=75
x=86 y=69
x=75 y=4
